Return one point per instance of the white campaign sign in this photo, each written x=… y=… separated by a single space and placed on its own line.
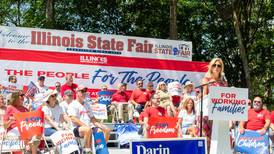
x=10 y=141
x=99 y=111
x=227 y=103
x=65 y=141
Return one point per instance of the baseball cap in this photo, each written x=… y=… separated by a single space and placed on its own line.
x=81 y=88
x=41 y=78
x=68 y=92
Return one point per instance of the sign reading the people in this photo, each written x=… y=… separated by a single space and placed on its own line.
x=228 y=103
x=30 y=124
x=162 y=127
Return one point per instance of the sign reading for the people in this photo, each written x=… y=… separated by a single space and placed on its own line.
x=228 y=103
x=162 y=127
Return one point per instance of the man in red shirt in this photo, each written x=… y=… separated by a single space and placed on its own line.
x=139 y=96
x=120 y=100
x=258 y=118
x=154 y=111
x=150 y=91
x=69 y=85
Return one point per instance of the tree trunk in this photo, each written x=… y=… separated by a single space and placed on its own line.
x=50 y=13
x=242 y=50
x=173 y=20
x=18 y=13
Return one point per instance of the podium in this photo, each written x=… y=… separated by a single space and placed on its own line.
x=225 y=104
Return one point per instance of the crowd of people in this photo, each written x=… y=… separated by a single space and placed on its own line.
x=66 y=107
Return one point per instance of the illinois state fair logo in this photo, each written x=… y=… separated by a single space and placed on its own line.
x=183 y=50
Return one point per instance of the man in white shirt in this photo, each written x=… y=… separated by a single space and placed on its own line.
x=82 y=118
x=68 y=98
x=41 y=85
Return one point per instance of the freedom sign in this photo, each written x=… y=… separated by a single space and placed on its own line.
x=162 y=127
x=227 y=103
x=169 y=146
x=30 y=124
x=252 y=142
x=94 y=59
x=64 y=141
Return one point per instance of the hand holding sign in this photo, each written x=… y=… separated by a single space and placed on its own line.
x=30 y=124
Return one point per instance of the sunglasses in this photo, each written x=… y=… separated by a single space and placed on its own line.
x=256 y=101
x=140 y=83
x=53 y=96
x=217 y=65
x=22 y=95
x=57 y=86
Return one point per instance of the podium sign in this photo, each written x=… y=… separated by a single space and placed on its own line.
x=228 y=103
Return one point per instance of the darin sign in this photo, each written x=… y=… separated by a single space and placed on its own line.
x=169 y=146
x=228 y=103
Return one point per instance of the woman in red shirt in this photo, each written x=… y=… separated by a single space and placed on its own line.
x=15 y=105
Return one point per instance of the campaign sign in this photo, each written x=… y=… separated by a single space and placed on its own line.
x=174 y=88
x=65 y=141
x=105 y=97
x=169 y=146
x=228 y=103
x=30 y=124
x=99 y=111
x=252 y=142
x=10 y=87
x=162 y=127
x=10 y=141
x=100 y=143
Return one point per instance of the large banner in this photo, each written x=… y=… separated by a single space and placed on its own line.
x=162 y=127
x=252 y=142
x=169 y=146
x=94 y=59
x=227 y=103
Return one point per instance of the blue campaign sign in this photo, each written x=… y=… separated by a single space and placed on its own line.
x=105 y=97
x=252 y=142
x=169 y=146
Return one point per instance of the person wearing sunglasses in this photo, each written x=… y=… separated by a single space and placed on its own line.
x=258 y=118
x=54 y=115
x=15 y=105
x=214 y=74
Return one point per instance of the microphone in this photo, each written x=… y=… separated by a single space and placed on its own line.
x=223 y=78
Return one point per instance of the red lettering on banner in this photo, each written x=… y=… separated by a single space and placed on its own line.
x=19 y=72
x=140 y=47
x=46 y=38
x=99 y=43
x=51 y=74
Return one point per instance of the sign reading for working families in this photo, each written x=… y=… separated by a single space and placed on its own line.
x=162 y=127
x=228 y=103
x=65 y=141
x=169 y=146
x=94 y=59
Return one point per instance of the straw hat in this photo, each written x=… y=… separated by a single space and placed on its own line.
x=48 y=93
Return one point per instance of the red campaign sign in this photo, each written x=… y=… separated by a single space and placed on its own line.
x=30 y=124
x=162 y=127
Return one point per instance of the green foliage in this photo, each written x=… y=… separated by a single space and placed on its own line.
x=208 y=24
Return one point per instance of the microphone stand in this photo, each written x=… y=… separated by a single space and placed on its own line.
x=201 y=87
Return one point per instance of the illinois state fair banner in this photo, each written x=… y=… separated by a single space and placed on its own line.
x=252 y=142
x=65 y=141
x=169 y=146
x=227 y=103
x=162 y=127
x=94 y=59
x=30 y=124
